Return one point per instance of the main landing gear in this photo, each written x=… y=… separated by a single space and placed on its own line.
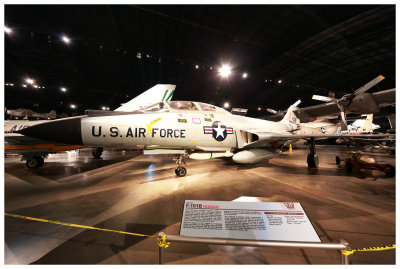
x=33 y=161
x=312 y=157
x=180 y=171
x=96 y=152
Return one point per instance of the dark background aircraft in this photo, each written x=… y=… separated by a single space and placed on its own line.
x=114 y=52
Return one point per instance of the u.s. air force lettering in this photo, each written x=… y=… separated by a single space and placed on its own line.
x=139 y=132
x=218 y=131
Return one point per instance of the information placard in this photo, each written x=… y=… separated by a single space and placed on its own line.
x=273 y=221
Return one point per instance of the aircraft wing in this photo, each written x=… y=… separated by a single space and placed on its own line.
x=266 y=138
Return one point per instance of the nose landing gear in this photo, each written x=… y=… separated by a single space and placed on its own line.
x=180 y=171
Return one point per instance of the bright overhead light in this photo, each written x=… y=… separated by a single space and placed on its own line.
x=225 y=71
x=280 y=81
x=197 y=67
x=244 y=75
x=259 y=108
x=29 y=81
x=226 y=105
x=72 y=106
x=103 y=108
x=65 y=39
x=7 y=30
x=23 y=85
x=63 y=89
x=35 y=86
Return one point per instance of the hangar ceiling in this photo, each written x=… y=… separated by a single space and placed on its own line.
x=118 y=51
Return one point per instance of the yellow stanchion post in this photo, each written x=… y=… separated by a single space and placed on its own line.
x=290 y=147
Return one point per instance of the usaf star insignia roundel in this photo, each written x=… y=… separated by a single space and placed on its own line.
x=218 y=131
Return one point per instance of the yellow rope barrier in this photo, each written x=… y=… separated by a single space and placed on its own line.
x=160 y=241
x=351 y=251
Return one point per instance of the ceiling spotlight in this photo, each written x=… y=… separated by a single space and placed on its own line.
x=65 y=39
x=7 y=30
x=63 y=89
x=244 y=75
x=279 y=81
x=103 y=108
x=29 y=81
x=72 y=106
x=210 y=67
x=197 y=67
x=23 y=85
x=225 y=71
x=226 y=105
x=35 y=86
x=259 y=108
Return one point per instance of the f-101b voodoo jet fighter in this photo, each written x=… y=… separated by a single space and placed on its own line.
x=182 y=128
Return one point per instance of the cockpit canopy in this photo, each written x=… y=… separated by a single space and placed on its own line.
x=181 y=105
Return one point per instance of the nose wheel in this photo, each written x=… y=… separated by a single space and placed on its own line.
x=180 y=171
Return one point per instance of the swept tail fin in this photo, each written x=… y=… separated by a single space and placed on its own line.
x=290 y=117
x=158 y=93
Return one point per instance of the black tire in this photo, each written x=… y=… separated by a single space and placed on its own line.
x=389 y=170
x=348 y=166
x=180 y=171
x=337 y=160
x=97 y=152
x=33 y=163
x=312 y=160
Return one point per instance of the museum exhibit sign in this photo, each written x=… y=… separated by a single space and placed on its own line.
x=275 y=221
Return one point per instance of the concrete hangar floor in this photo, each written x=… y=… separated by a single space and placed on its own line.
x=142 y=194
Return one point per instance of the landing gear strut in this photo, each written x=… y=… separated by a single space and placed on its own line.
x=180 y=171
x=312 y=157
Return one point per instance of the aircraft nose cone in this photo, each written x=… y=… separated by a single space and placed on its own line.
x=67 y=131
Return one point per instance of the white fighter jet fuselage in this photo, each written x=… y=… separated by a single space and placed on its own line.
x=182 y=125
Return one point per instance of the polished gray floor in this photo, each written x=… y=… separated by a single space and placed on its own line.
x=141 y=194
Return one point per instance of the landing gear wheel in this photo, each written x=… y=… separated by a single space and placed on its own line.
x=97 y=152
x=312 y=160
x=348 y=166
x=389 y=170
x=337 y=160
x=180 y=171
x=34 y=162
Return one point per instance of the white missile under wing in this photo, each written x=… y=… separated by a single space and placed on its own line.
x=184 y=129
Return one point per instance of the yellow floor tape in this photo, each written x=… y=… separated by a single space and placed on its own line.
x=160 y=241
x=351 y=251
